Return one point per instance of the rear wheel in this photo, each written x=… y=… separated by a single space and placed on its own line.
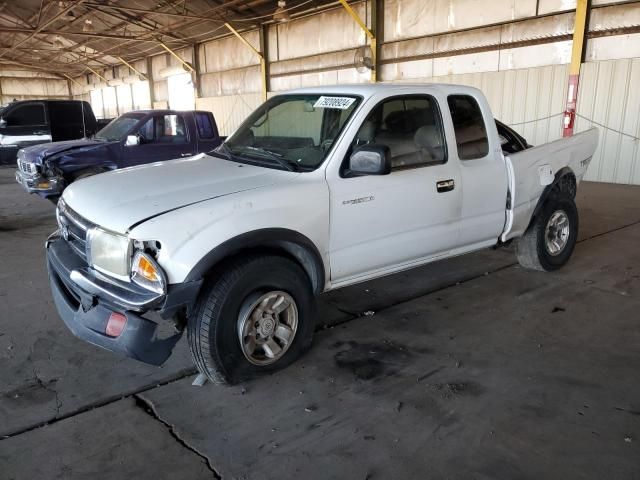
x=255 y=318
x=549 y=241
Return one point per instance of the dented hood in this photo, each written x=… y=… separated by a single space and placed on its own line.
x=120 y=199
x=38 y=153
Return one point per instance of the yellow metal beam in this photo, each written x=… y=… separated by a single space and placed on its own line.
x=263 y=61
x=357 y=18
x=577 y=54
x=582 y=8
x=187 y=66
x=372 y=38
x=243 y=40
x=132 y=67
x=74 y=81
x=96 y=73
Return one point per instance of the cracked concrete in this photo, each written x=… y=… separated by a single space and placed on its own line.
x=116 y=441
x=148 y=407
x=470 y=367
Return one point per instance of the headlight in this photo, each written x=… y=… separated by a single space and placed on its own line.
x=147 y=273
x=109 y=252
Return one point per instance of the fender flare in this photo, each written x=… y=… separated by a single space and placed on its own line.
x=565 y=182
x=289 y=242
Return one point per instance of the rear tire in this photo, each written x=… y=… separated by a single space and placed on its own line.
x=257 y=317
x=549 y=241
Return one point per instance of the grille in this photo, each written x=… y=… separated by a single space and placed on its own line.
x=27 y=167
x=74 y=228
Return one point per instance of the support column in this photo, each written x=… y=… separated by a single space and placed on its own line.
x=152 y=94
x=198 y=67
x=583 y=8
x=264 y=62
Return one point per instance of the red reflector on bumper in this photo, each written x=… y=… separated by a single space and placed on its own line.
x=116 y=324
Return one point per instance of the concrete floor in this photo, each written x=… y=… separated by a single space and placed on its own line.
x=468 y=368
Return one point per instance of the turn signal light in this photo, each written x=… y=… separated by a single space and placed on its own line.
x=147 y=273
x=147 y=269
x=115 y=324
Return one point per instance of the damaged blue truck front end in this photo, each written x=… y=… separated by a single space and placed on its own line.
x=47 y=169
x=135 y=138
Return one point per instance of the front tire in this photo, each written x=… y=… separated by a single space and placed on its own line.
x=549 y=241
x=257 y=317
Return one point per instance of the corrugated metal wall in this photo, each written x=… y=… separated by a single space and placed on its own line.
x=230 y=110
x=609 y=95
x=520 y=62
x=21 y=85
x=532 y=101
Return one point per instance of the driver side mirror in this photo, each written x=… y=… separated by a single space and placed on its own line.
x=370 y=160
x=3 y=123
x=132 y=140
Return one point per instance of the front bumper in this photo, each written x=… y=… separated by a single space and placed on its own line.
x=86 y=299
x=43 y=186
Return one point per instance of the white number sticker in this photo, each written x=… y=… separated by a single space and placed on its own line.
x=341 y=103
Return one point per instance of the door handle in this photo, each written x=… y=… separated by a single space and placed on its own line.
x=186 y=154
x=445 y=185
x=40 y=132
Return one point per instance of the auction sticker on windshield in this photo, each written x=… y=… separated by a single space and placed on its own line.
x=341 y=103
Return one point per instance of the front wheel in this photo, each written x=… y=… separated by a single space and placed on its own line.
x=549 y=241
x=255 y=318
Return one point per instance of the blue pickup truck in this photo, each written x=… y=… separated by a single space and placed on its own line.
x=134 y=138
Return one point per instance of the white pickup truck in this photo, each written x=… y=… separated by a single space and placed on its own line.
x=319 y=188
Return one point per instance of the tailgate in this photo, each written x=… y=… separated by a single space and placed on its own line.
x=530 y=171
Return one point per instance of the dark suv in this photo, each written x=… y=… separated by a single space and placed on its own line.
x=31 y=122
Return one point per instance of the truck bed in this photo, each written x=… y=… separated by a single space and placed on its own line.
x=531 y=170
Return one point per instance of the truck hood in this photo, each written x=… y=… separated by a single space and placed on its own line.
x=38 y=153
x=123 y=198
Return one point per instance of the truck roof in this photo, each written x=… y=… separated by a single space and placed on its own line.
x=369 y=89
x=164 y=111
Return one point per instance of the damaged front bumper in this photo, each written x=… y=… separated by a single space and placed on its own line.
x=41 y=185
x=86 y=300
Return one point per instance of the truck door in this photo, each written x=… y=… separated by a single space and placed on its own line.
x=164 y=136
x=384 y=223
x=483 y=171
x=22 y=125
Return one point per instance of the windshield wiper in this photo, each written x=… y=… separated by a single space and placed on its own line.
x=222 y=150
x=276 y=157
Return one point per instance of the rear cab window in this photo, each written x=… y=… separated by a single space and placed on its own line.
x=206 y=128
x=468 y=124
x=66 y=113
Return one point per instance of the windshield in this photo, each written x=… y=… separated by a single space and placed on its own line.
x=116 y=129
x=292 y=132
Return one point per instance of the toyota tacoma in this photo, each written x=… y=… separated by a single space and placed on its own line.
x=318 y=189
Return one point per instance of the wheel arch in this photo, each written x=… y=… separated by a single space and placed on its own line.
x=564 y=182
x=268 y=240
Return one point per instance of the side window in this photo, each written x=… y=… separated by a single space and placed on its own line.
x=469 y=127
x=26 y=115
x=163 y=129
x=65 y=113
x=411 y=127
x=205 y=125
